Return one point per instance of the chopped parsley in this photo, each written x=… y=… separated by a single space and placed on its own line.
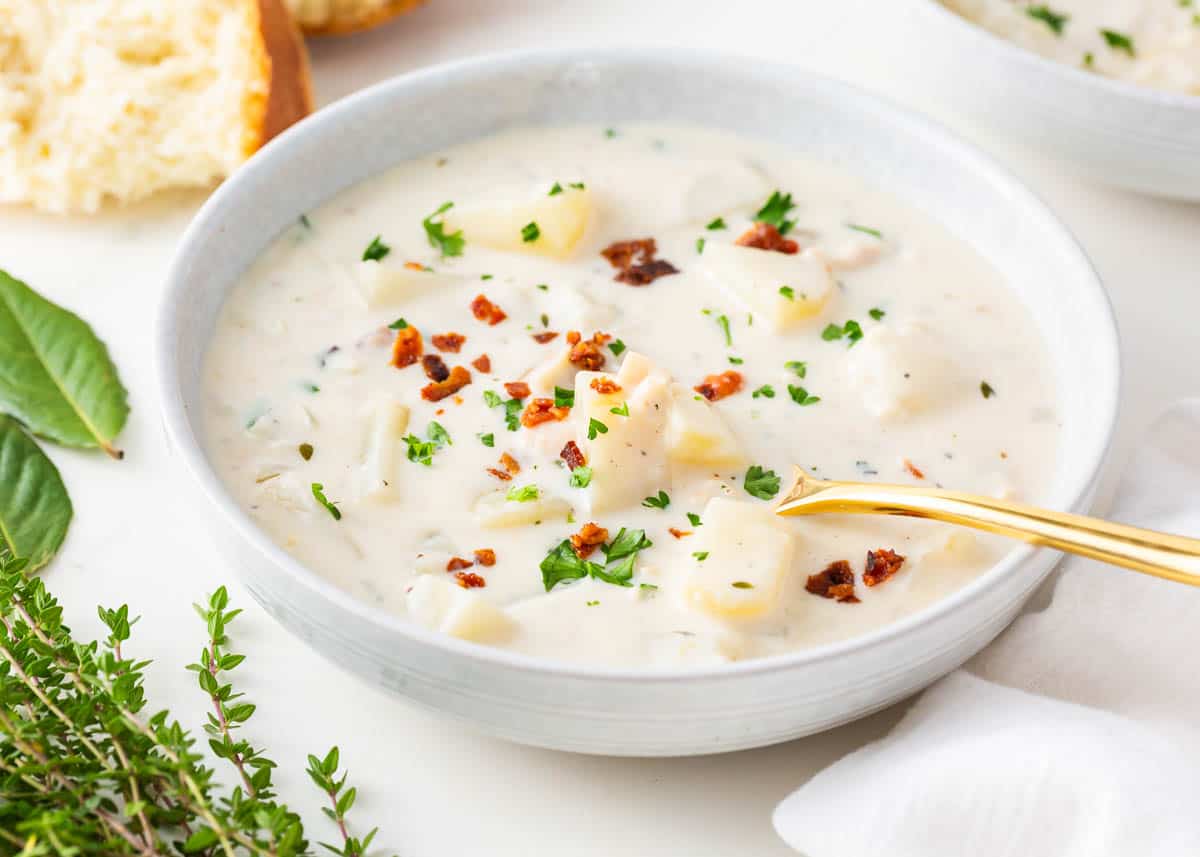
x=865 y=229
x=800 y=367
x=596 y=427
x=591 y=603
x=562 y=563
x=1056 y=21
x=485 y=276
x=581 y=476
x=438 y=435
x=766 y=391
x=723 y=323
x=305 y=222
x=564 y=398
x=545 y=320
x=522 y=494
x=530 y=232
x=488 y=439
x=763 y=484
x=986 y=389
x=775 y=211
x=693 y=519
x=742 y=584
x=851 y=331
x=448 y=245
x=318 y=492
x=718 y=223
x=398 y=324
x=610 y=133
x=376 y=250
x=542 y=287
x=627 y=543
x=420 y=451
x=649 y=587
x=736 y=361
x=622 y=411
x=512 y=414
x=616 y=347
x=801 y=396
x=1119 y=42
x=661 y=501
x=1089 y=59
x=309 y=387
x=700 y=556
x=306 y=451
x=556 y=190
x=700 y=245
x=576 y=185
x=491 y=399
x=876 y=313
x=788 y=292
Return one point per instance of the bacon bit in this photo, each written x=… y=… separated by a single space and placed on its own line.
x=644 y=275
x=469 y=580
x=435 y=367
x=881 y=564
x=435 y=392
x=439 y=412
x=499 y=474
x=573 y=336
x=764 y=236
x=483 y=363
x=588 y=353
x=485 y=557
x=679 y=534
x=543 y=411
x=509 y=464
x=451 y=342
x=414 y=266
x=836 y=581
x=458 y=400
x=458 y=562
x=572 y=455
x=517 y=390
x=621 y=256
x=717 y=387
x=605 y=386
x=589 y=537
x=485 y=310
x=544 y=337
x=407 y=348
x=913 y=469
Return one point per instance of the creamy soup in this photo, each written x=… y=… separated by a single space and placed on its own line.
x=1150 y=42
x=542 y=391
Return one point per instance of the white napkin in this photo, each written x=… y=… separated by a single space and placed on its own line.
x=1097 y=754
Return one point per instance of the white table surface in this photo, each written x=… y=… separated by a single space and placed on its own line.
x=433 y=788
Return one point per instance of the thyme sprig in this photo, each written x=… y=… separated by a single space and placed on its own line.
x=85 y=771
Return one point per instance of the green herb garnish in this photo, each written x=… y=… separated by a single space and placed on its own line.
x=556 y=190
x=398 y=324
x=448 y=245
x=866 y=230
x=596 y=427
x=801 y=396
x=530 y=232
x=581 y=476
x=851 y=331
x=376 y=250
x=766 y=391
x=723 y=323
x=318 y=492
x=1054 y=20
x=876 y=313
x=616 y=347
x=306 y=451
x=622 y=411
x=736 y=361
x=742 y=584
x=522 y=494
x=661 y=501
x=763 y=484
x=800 y=367
x=700 y=242
x=1119 y=42
x=488 y=439
x=693 y=519
x=438 y=435
x=564 y=398
x=700 y=556
x=986 y=389
x=718 y=223
x=775 y=211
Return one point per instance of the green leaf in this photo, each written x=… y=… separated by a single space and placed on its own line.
x=34 y=507
x=763 y=484
x=563 y=564
x=203 y=838
x=55 y=374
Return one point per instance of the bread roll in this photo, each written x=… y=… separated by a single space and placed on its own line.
x=335 y=17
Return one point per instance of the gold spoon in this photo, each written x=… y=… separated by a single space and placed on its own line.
x=1148 y=551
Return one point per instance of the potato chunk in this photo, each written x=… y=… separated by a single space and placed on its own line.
x=783 y=289
x=443 y=606
x=495 y=510
x=696 y=434
x=901 y=370
x=504 y=224
x=745 y=557
x=382 y=284
x=386 y=425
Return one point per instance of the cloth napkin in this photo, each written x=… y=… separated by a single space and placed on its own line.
x=1076 y=734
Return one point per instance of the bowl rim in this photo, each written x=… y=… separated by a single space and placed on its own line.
x=206 y=223
x=1109 y=86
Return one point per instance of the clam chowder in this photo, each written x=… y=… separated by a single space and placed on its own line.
x=542 y=391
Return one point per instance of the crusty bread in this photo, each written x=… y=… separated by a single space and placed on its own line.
x=117 y=99
x=335 y=17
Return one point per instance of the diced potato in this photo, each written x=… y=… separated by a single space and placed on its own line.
x=780 y=288
x=723 y=187
x=571 y=308
x=696 y=434
x=386 y=425
x=495 y=510
x=382 y=284
x=697 y=649
x=901 y=370
x=854 y=253
x=288 y=491
x=628 y=460
x=748 y=555
x=441 y=605
x=561 y=220
x=555 y=371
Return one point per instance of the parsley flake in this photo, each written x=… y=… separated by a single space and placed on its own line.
x=556 y=190
x=742 y=584
x=662 y=501
x=986 y=389
x=851 y=331
x=488 y=439
x=775 y=211
x=736 y=361
x=576 y=185
x=766 y=391
x=616 y=347
x=622 y=411
x=530 y=232
x=522 y=494
x=866 y=230
x=376 y=250
x=700 y=556
x=1056 y=21
x=801 y=396
x=876 y=313
x=1119 y=42
x=564 y=398
x=788 y=292
x=448 y=245
x=581 y=476
x=306 y=451
x=596 y=427
x=700 y=245
x=398 y=324
x=491 y=399
x=318 y=492
x=693 y=519
x=763 y=484
x=800 y=367
x=718 y=223
x=723 y=323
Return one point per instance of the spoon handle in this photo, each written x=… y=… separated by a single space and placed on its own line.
x=1148 y=551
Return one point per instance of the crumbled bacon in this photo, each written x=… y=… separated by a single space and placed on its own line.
x=621 y=255
x=541 y=411
x=677 y=533
x=414 y=266
x=881 y=564
x=544 y=337
x=406 y=349
x=588 y=353
x=572 y=455
x=485 y=557
x=485 y=310
x=435 y=392
x=509 y=464
x=915 y=471
x=836 y=581
x=483 y=363
x=435 y=367
x=469 y=580
x=451 y=342
x=605 y=386
x=517 y=389
x=644 y=275
x=573 y=336
x=499 y=474
x=457 y=562
x=717 y=387
x=589 y=537
x=764 y=236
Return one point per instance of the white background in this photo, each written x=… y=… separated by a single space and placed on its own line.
x=434 y=788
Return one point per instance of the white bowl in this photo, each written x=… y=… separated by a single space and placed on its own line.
x=620 y=711
x=1111 y=131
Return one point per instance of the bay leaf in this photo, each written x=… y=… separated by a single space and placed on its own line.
x=55 y=374
x=34 y=507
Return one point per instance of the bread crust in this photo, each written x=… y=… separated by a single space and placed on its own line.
x=359 y=21
x=285 y=94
